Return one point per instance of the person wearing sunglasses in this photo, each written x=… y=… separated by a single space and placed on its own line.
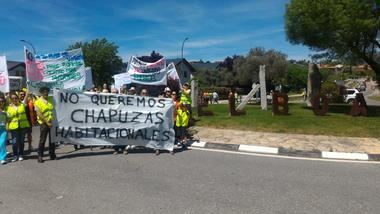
x=17 y=125
x=3 y=132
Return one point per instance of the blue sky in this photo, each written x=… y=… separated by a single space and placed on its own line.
x=216 y=28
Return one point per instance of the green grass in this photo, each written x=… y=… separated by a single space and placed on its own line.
x=374 y=98
x=300 y=120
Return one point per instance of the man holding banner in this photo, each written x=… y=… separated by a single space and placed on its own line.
x=44 y=110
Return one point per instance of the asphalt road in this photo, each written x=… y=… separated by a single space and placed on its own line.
x=188 y=182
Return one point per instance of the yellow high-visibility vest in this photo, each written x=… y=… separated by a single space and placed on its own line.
x=182 y=119
x=17 y=117
x=186 y=97
x=45 y=109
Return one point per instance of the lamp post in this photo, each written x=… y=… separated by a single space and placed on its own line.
x=31 y=45
x=183 y=43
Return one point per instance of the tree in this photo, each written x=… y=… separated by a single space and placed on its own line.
x=242 y=71
x=296 y=77
x=338 y=27
x=247 y=68
x=101 y=56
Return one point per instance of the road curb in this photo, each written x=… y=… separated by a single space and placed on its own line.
x=286 y=151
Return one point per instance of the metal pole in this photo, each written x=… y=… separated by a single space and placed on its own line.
x=183 y=43
x=29 y=43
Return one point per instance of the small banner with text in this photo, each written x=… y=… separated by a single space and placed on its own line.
x=146 y=73
x=62 y=70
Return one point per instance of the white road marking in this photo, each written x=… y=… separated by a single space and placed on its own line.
x=258 y=149
x=199 y=144
x=285 y=157
x=344 y=155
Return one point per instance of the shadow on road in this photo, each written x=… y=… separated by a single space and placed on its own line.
x=86 y=153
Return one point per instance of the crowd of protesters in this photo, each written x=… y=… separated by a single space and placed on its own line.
x=181 y=104
x=20 y=111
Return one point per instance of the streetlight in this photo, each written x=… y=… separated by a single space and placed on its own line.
x=183 y=43
x=24 y=41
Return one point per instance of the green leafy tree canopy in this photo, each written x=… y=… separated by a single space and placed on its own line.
x=341 y=27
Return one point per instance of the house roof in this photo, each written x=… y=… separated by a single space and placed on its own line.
x=205 y=65
x=177 y=61
x=13 y=64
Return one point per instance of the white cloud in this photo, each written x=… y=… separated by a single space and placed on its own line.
x=256 y=9
x=214 y=42
x=207 y=42
x=131 y=38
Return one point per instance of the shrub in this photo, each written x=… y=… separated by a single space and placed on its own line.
x=331 y=90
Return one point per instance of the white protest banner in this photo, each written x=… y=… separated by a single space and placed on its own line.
x=4 y=79
x=137 y=66
x=103 y=119
x=147 y=73
x=62 y=70
x=121 y=79
x=88 y=82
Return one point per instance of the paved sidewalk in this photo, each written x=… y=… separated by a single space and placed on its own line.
x=288 y=141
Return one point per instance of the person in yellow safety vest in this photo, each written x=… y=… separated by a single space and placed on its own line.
x=44 y=109
x=23 y=95
x=182 y=121
x=186 y=94
x=17 y=125
x=186 y=97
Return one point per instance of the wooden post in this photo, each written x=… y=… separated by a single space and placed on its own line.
x=263 y=89
x=308 y=93
x=194 y=96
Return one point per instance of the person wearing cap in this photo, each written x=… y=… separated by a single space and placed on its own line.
x=168 y=92
x=44 y=109
x=17 y=124
x=132 y=91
